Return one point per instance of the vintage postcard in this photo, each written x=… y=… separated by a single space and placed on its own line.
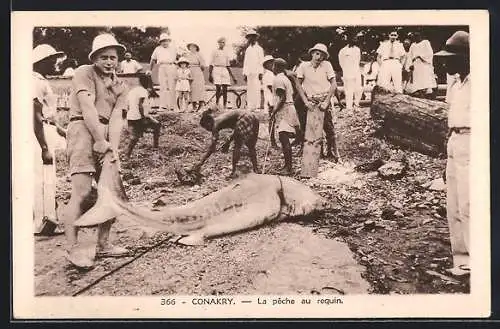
x=250 y=164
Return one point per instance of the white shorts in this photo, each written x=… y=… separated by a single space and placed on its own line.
x=288 y=119
x=221 y=75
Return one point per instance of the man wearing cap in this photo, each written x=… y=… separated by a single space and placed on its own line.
x=44 y=108
x=349 y=60
x=253 y=70
x=165 y=56
x=456 y=57
x=97 y=102
x=390 y=57
x=284 y=110
x=316 y=88
x=129 y=65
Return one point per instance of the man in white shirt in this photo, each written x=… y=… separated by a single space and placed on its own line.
x=390 y=58
x=316 y=88
x=456 y=55
x=129 y=65
x=349 y=60
x=253 y=70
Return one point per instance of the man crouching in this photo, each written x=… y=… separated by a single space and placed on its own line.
x=246 y=131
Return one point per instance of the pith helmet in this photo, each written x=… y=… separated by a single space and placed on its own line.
x=321 y=47
x=105 y=40
x=251 y=32
x=457 y=44
x=164 y=36
x=267 y=58
x=44 y=51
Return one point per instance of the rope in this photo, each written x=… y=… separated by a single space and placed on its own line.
x=265 y=157
x=102 y=277
x=116 y=269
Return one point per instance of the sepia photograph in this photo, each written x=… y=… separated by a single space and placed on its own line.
x=252 y=157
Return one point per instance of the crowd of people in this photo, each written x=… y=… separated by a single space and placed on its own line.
x=99 y=100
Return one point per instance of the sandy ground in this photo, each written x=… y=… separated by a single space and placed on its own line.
x=382 y=236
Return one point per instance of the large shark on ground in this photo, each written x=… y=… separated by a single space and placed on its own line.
x=244 y=204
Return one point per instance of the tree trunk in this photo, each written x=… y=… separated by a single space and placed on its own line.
x=412 y=123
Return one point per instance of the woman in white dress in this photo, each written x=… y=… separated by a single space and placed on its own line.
x=197 y=66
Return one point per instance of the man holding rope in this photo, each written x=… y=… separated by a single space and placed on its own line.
x=316 y=88
x=98 y=100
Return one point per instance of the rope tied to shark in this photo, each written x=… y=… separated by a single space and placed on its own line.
x=162 y=241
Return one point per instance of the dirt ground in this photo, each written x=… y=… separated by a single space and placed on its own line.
x=382 y=237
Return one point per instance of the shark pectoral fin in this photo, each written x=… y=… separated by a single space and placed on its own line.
x=195 y=239
x=98 y=214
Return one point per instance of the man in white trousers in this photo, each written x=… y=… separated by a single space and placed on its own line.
x=253 y=70
x=456 y=56
x=165 y=56
x=390 y=56
x=349 y=59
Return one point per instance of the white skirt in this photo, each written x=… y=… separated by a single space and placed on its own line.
x=221 y=75
x=182 y=85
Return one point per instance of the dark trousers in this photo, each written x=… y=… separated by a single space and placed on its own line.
x=138 y=127
x=328 y=126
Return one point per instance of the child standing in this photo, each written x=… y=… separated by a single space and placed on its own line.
x=138 y=119
x=182 y=86
x=219 y=72
x=286 y=115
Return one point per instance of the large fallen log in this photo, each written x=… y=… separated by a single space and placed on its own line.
x=411 y=123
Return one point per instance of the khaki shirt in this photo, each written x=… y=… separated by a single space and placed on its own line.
x=316 y=81
x=459 y=113
x=108 y=93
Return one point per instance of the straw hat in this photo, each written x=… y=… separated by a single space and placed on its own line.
x=321 y=47
x=193 y=44
x=182 y=60
x=164 y=36
x=104 y=41
x=457 y=44
x=45 y=51
x=267 y=58
x=251 y=32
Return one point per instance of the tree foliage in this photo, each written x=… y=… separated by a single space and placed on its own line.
x=290 y=42
x=76 y=42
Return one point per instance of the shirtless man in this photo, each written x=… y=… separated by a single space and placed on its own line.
x=246 y=131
